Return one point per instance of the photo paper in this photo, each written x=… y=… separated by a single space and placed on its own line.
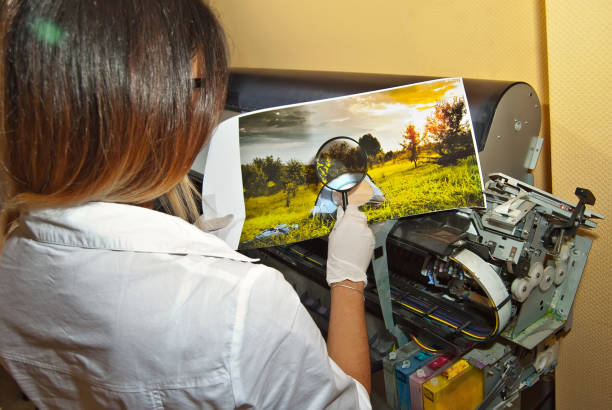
x=418 y=141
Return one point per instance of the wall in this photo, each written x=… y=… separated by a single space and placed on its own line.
x=580 y=64
x=560 y=47
x=489 y=39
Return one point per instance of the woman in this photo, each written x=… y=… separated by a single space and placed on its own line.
x=107 y=303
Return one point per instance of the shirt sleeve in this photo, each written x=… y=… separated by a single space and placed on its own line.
x=279 y=358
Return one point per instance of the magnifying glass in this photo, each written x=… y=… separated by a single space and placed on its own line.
x=341 y=165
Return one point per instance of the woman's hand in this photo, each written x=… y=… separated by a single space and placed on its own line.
x=350 y=247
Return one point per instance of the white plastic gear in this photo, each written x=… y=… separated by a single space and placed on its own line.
x=547 y=278
x=521 y=288
x=536 y=272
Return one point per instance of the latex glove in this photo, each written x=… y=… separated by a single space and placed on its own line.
x=209 y=225
x=350 y=247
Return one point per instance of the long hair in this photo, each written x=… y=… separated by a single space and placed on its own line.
x=97 y=101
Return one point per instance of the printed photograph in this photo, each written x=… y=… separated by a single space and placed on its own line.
x=418 y=155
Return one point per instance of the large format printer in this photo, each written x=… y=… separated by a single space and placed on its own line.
x=463 y=306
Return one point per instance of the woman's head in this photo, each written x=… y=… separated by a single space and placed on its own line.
x=97 y=101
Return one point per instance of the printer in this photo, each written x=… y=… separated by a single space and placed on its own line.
x=466 y=305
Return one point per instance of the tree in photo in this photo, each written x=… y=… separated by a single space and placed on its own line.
x=293 y=176
x=262 y=176
x=272 y=168
x=449 y=132
x=411 y=142
x=253 y=180
x=370 y=145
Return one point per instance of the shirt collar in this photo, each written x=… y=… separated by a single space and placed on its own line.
x=120 y=227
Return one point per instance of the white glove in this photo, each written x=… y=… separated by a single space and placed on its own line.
x=209 y=225
x=350 y=247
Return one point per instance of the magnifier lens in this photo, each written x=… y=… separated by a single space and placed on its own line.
x=344 y=182
x=341 y=165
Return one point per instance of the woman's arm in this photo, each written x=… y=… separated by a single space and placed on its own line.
x=347 y=340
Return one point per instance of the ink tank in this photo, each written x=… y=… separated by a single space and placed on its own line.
x=403 y=370
x=389 y=362
x=418 y=378
x=459 y=387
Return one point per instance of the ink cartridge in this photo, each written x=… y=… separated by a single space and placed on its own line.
x=459 y=387
x=389 y=362
x=418 y=378
x=403 y=370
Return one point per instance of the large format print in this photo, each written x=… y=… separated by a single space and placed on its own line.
x=420 y=152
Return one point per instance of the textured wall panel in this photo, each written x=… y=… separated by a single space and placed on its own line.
x=580 y=65
x=491 y=39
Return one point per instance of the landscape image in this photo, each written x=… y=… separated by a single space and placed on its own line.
x=420 y=158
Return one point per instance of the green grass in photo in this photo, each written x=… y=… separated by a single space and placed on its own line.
x=427 y=188
x=408 y=191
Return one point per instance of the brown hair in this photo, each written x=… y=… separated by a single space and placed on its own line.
x=97 y=101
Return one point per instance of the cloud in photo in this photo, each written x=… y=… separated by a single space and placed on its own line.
x=297 y=132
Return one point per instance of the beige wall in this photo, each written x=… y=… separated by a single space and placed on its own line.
x=580 y=65
x=561 y=45
x=488 y=39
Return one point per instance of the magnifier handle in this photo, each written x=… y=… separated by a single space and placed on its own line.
x=344 y=200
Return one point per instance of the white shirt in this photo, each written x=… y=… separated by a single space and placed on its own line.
x=117 y=306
